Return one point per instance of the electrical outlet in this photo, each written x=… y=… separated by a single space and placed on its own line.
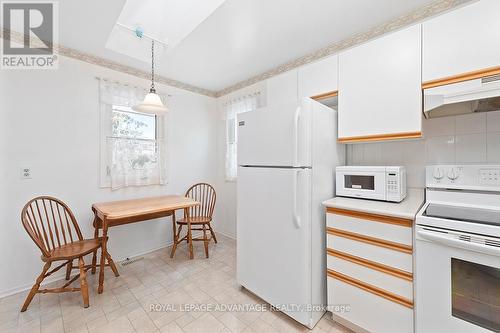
x=25 y=173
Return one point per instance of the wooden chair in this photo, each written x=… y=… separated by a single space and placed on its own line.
x=53 y=227
x=198 y=216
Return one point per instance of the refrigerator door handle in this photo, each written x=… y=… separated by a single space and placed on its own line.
x=296 y=137
x=296 y=217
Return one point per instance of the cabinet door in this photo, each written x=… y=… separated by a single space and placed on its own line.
x=380 y=94
x=462 y=41
x=319 y=77
x=282 y=88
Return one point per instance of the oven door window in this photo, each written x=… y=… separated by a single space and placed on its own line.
x=359 y=182
x=476 y=293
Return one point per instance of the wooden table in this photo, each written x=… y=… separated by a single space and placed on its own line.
x=110 y=214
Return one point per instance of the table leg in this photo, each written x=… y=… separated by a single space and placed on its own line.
x=174 y=235
x=190 y=240
x=104 y=254
x=112 y=264
x=94 y=255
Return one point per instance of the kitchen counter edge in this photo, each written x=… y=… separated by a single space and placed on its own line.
x=406 y=209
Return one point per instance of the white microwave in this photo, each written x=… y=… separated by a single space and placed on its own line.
x=386 y=183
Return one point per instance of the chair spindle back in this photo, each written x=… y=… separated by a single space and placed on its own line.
x=205 y=194
x=50 y=223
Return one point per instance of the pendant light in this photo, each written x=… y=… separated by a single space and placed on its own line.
x=152 y=102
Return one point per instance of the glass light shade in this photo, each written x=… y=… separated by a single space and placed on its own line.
x=151 y=104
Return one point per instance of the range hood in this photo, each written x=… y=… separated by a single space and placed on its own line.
x=479 y=95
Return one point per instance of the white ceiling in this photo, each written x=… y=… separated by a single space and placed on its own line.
x=240 y=39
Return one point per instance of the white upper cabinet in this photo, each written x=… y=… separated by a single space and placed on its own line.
x=319 y=77
x=380 y=94
x=282 y=88
x=462 y=41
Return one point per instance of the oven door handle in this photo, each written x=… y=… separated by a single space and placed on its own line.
x=435 y=237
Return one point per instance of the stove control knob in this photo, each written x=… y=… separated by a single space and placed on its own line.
x=438 y=174
x=453 y=174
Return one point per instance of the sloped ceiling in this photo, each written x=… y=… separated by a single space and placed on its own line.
x=238 y=41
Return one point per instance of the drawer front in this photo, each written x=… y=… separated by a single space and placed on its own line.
x=383 y=280
x=376 y=253
x=369 y=311
x=395 y=230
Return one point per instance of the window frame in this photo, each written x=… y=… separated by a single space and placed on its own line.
x=105 y=132
x=229 y=145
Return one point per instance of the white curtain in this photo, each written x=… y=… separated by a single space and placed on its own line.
x=130 y=161
x=134 y=162
x=232 y=109
x=122 y=94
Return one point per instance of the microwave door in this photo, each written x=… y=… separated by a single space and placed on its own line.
x=369 y=185
x=360 y=182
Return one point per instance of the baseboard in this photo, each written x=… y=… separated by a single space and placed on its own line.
x=224 y=234
x=9 y=292
x=353 y=327
x=62 y=274
x=145 y=252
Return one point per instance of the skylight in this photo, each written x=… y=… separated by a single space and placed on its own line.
x=168 y=21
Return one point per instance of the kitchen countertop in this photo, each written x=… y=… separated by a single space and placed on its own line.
x=406 y=209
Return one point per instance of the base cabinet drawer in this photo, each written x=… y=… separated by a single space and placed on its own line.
x=388 y=280
x=376 y=253
x=369 y=311
x=391 y=229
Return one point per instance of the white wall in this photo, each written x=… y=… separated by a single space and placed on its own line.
x=4 y=218
x=465 y=139
x=50 y=123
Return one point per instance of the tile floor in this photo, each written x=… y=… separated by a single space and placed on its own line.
x=125 y=305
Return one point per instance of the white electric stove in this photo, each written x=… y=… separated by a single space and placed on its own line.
x=457 y=244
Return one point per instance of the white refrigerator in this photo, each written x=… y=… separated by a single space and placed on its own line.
x=287 y=156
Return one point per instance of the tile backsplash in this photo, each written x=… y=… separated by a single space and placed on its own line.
x=465 y=139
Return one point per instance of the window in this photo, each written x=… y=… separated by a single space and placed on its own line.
x=132 y=149
x=132 y=141
x=232 y=109
x=128 y=124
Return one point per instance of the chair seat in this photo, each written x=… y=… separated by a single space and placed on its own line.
x=75 y=250
x=195 y=220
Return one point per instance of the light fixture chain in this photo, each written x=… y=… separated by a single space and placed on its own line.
x=152 y=66
x=152 y=103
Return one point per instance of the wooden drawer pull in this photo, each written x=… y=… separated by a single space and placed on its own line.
x=462 y=77
x=370 y=240
x=371 y=289
x=371 y=264
x=380 y=137
x=329 y=94
x=372 y=217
